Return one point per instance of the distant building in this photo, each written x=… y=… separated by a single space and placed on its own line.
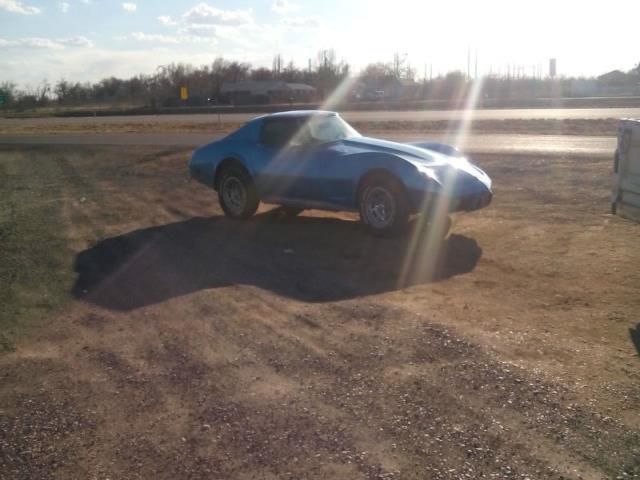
x=583 y=87
x=386 y=88
x=617 y=82
x=265 y=91
x=614 y=78
x=404 y=89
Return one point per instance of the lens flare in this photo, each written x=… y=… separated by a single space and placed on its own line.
x=432 y=224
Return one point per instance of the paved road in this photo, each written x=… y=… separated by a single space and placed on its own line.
x=510 y=114
x=497 y=143
x=502 y=114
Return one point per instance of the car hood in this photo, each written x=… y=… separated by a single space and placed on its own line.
x=430 y=162
x=376 y=145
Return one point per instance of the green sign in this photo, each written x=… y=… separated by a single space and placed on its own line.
x=3 y=99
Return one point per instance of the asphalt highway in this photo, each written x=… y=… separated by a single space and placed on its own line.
x=355 y=116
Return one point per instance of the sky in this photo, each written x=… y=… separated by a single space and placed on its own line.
x=86 y=40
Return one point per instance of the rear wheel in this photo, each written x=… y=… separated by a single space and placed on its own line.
x=383 y=205
x=237 y=194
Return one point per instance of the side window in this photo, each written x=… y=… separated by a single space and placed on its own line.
x=278 y=132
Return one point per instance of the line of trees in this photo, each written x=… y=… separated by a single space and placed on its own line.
x=162 y=88
x=394 y=79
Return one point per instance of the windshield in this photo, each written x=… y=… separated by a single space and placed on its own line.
x=299 y=131
x=322 y=129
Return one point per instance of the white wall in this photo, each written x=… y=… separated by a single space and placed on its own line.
x=626 y=185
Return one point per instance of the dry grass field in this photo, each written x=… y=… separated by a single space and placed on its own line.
x=569 y=126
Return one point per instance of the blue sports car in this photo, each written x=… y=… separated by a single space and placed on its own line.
x=314 y=159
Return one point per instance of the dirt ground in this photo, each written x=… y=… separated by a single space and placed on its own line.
x=167 y=342
x=571 y=126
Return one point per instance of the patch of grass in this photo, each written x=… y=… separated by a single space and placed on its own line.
x=56 y=200
x=34 y=262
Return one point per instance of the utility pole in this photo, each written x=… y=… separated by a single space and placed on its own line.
x=476 y=68
x=468 y=63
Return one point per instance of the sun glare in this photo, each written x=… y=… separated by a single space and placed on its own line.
x=432 y=224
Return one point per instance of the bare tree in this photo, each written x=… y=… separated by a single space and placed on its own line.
x=10 y=92
x=401 y=68
x=330 y=72
x=277 y=65
x=262 y=74
x=42 y=91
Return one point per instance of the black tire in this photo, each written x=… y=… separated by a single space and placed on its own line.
x=383 y=205
x=237 y=193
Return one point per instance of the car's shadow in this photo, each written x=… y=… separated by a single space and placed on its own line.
x=306 y=258
x=634 y=334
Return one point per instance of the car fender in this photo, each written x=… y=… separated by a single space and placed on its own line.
x=396 y=166
x=206 y=160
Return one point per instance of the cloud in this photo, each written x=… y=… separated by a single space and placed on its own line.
x=202 y=23
x=154 y=38
x=95 y=64
x=233 y=27
x=79 y=41
x=301 y=22
x=30 y=42
x=129 y=7
x=284 y=6
x=201 y=30
x=16 y=6
x=168 y=39
x=64 y=6
x=167 y=20
x=45 y=43
x=204 y=14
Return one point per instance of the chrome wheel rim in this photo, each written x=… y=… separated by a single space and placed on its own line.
x=234 y=195
x=379 y=207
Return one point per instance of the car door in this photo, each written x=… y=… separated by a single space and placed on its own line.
x=327 y=174
x=282 y=176
x=286 y=174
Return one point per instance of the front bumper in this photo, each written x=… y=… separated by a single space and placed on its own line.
x=471 y=202
x=427 y=203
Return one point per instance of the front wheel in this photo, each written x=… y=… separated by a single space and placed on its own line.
x=383 y=205
x=237 y=194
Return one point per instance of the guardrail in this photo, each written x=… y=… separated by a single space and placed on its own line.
x=587 y=102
